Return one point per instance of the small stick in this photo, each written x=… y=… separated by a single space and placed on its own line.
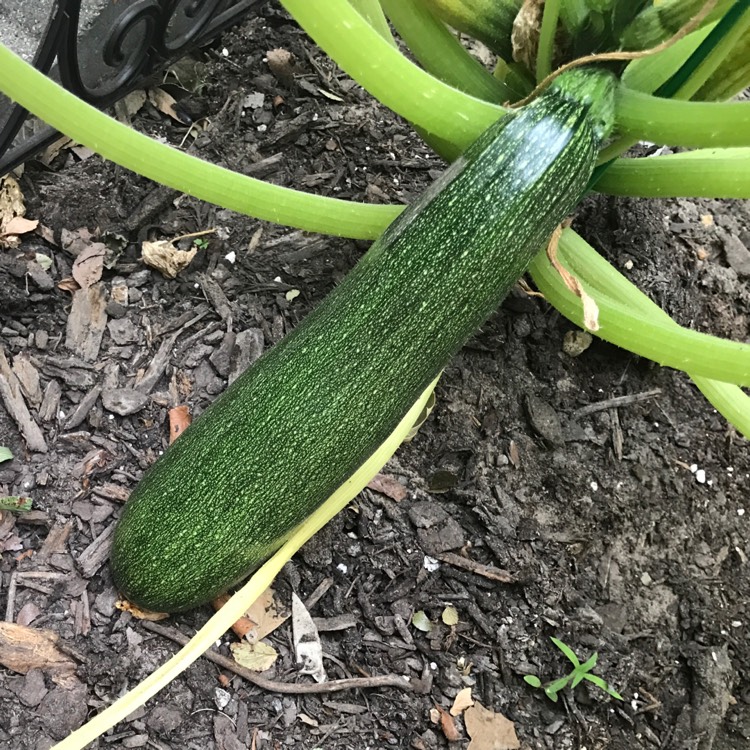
x=488 y=571
x=354 y=683
x=617 y=401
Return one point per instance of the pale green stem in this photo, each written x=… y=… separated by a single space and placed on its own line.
x=389 y=76
x=441 y=53
x=546 y=50
x=630 y=320
x=707 y=173
x=372 y=12
x=122 y=145
x=678 y=123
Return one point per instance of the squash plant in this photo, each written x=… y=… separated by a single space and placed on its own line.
x=451 y=99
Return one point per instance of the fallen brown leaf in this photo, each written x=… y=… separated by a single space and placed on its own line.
x=448 y=725
x=166 y=258
x=88 y=265
x=257 y=657
x=388 y=486
x=489 y=730
x=462 y=701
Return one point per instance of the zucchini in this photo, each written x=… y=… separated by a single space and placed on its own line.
x=309 y=412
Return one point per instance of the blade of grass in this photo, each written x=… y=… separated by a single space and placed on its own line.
x=441 y=53
x=139 y=153
x=241 y=601
x=706 y=173
x=389 y=76
x=570 y=655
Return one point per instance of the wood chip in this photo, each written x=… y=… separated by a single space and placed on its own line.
x=86 y=322
x=23 y=648
x=487 y=571
x=10 y=391
x=96 y=554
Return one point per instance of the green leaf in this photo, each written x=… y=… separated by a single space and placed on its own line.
x=557 y=685
x=604 y=685
x=533 y=680
x=421 y=622
x=589 y=664
x=15 y=503
x=569 y=654
x=5 y=454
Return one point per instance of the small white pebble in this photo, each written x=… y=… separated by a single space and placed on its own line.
x=262 y=128
x=433 y=666
x=342 y=568
x=594 y=486
x=225 y=52
x=693 y=468
x=231 y=256
x=700 y=476
x=736 y=623
x=740 y=511
x=646 y=579
x=628 y=265
x=430 y=564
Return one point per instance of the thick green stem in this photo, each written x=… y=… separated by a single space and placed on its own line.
x=707 y=173
x=441 y=53
x=546 y=50
x=372 y=12
x=611 y=289
x=678 y=123
x=661 y=340
x=389 y=76
x=122 y=145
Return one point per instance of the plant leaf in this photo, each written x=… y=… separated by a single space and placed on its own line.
x=567 y=650
x=533 y=680
x=5 y=454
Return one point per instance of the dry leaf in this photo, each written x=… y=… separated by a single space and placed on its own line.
x=388 y=486
x=448 y=725
x=257 y=657
x=260 y=620
x=462 y=702
x=489 y=730
x=23 y=648
x=20 y=225
x=165 y=103
x=450 y=616
x=179 y=421
x=68 y=284
x=88 y=265
x=166 y=258
x=138 y=613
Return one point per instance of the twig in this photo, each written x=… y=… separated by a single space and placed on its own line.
x=488 y=571
x=388 y=680
x=617 y=401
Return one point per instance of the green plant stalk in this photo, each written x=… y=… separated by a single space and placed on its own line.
x=440 y=52
x=656 y=23
x=223 y=187
x=666 y=343
x=372 y=12
x=490 y=21
x=606 y=284
x=547 y=33
x=389 y=76
x=729 y=32
x=372 y=9
x=732 y=76
x=706 y=173
x=680 y=123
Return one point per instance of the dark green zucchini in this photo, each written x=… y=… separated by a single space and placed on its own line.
x=302 y=419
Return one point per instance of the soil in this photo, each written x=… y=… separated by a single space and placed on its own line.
x=622 y=523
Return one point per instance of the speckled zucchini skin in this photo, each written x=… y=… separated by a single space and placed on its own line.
x=303 y=418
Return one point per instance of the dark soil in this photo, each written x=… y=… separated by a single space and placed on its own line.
x=613 y=543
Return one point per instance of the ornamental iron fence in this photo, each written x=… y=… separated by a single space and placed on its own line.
x=100 y=50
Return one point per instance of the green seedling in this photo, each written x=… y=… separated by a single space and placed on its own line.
x=580 y=672
x=201 y=243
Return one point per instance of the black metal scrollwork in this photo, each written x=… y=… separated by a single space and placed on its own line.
x=124 y=43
